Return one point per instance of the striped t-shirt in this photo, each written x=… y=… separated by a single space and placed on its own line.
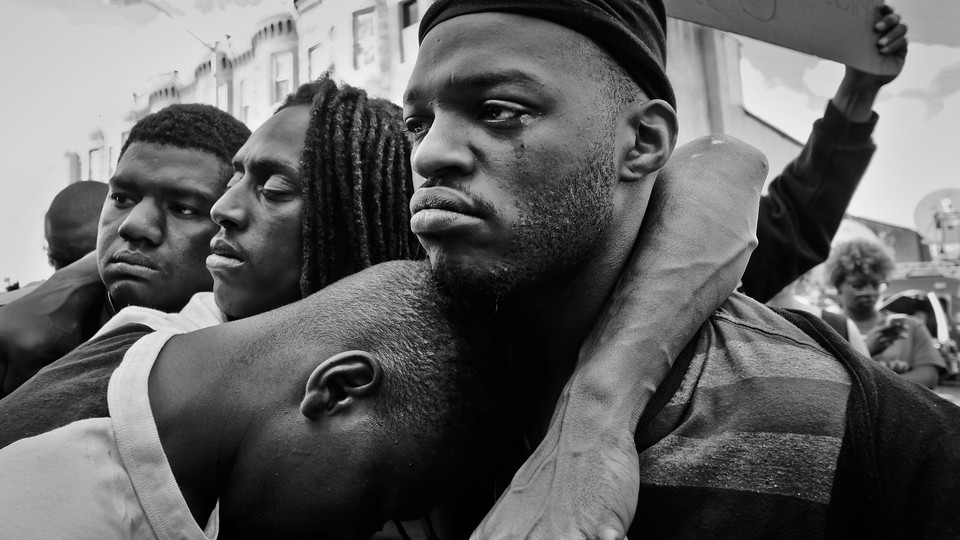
x=745 y=431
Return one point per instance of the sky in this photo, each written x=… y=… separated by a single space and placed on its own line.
x=68 y=63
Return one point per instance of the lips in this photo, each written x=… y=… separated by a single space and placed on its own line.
x=131 y=264
x=443 y=198
x=223 y=255
x=134 y=258
x=444 y=211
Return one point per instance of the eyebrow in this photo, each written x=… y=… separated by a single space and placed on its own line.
x=268 y=164
x=478 y=81
x=169 y=191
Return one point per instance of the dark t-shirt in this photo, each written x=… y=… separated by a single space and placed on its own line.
x=70 y=389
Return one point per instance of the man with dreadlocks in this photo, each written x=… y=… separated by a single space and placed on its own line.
x=319 y=192
x=152 y=239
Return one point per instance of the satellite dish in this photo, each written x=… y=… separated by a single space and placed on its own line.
x=936 y=212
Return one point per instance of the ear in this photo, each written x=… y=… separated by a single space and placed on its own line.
x=647 y=136
x=339 y=381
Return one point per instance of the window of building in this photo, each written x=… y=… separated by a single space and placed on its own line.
x=409 y=14
x=364 y=39
x=245 y=99
x=282 y=75
x=409 y=17
x=320 y=57
x=95 y=169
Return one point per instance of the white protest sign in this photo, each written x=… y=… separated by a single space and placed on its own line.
x=839 y=30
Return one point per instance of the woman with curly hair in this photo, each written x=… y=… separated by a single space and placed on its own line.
x=859 y=269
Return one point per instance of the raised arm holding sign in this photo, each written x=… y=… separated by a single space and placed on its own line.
x=805 y=204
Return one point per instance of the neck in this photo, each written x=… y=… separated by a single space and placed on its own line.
x=865 y=317
x=554 y=320
x=198 y=417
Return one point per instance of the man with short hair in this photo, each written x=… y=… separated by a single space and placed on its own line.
x=360 y=408
x=70 y=225
x=539 y=129
x=69 y=228
x=152 y=243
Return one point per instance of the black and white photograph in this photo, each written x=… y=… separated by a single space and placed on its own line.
x=479 y=269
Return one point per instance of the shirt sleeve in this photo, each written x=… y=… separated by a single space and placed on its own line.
x=924 y=353
x=804 y=206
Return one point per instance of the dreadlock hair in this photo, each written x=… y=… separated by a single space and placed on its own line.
x=193 y=126
x=356 y=183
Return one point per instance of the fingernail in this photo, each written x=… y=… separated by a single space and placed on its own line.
x=879 y=26
x=882 y=42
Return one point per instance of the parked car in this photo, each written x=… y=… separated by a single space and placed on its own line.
x=930 y=308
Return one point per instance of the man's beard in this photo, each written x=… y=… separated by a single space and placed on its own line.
x=555 y=235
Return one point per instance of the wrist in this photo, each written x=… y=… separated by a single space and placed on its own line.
x=854 y=99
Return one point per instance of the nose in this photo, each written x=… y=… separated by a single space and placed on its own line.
x=228 y=212
x=145 y=223
x=444 y=152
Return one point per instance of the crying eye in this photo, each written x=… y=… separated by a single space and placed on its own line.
x=501 y=115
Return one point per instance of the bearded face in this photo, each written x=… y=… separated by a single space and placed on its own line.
x=513 y=157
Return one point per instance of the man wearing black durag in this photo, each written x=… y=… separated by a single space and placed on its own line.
x=539 y=129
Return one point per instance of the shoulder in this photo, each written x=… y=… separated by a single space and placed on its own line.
x=200 y=312
x=757 y=423
x=763 y=341
x=10 y=296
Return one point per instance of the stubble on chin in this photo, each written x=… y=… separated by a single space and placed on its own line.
x=470 y=285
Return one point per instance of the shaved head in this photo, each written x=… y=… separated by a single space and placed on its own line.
x=70 y=225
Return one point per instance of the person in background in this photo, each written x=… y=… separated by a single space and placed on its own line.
x=69 y=228
x=70 y=225
x=843 y=325
x=859 y=269
x=804 y=206
x=152 y=241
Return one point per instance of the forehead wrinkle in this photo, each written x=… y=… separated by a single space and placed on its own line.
x=461 y=82
x=268 y=163
x=475 y=47
x=171 y=187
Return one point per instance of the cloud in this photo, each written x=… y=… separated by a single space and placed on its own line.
x=945 y=84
